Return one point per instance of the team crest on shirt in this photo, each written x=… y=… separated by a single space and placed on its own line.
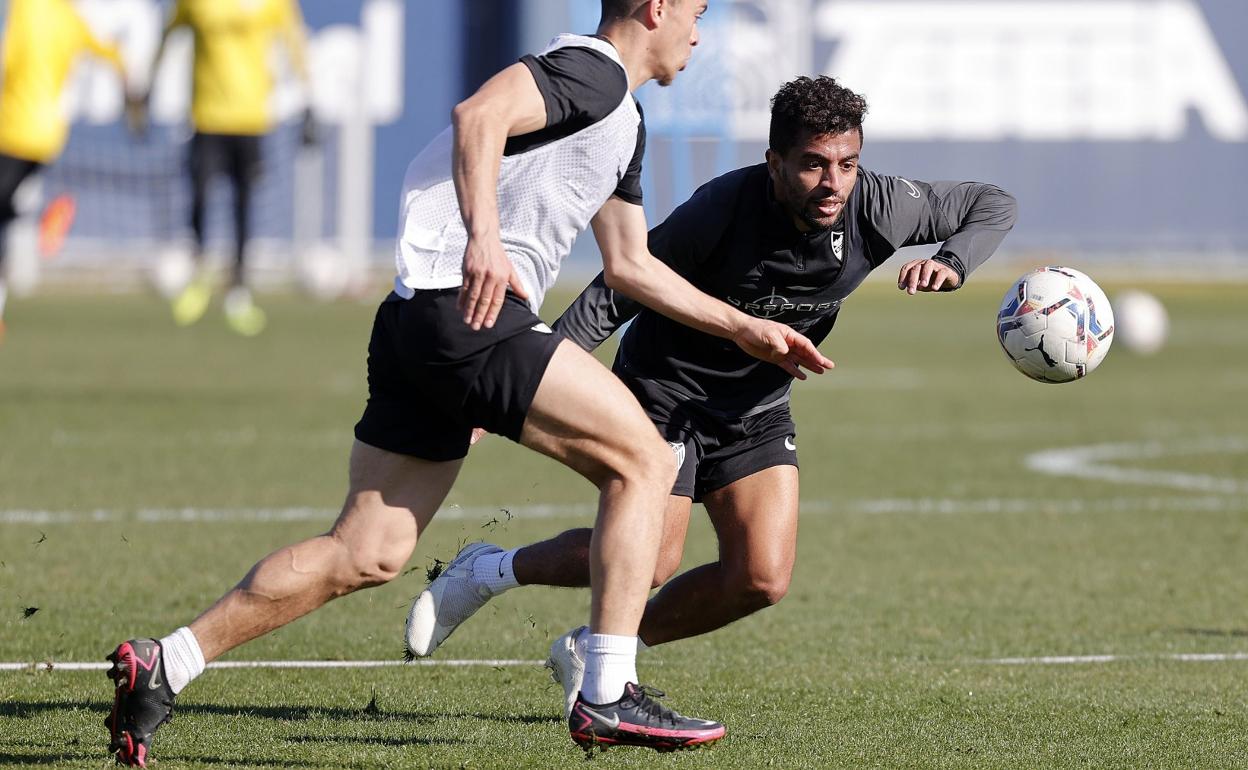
x=838 y=245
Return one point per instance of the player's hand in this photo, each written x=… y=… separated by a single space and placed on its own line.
x=778 y=344
x=926 y=275
x=137 y=113
x=477 y=435
x=487 y=275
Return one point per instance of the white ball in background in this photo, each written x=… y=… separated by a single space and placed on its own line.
x=322 y=272
x=21 y=267
x=1142 y=322
x=172 y=271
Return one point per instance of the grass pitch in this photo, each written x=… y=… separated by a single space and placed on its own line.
x=144 y=468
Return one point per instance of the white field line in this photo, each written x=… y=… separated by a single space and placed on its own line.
x=1069 y=660
x=302 y=664
x=923 y=506
x=1098 y=462
x=1044 y=660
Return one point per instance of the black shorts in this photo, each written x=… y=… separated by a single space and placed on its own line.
x=236 y=155
x=13 y=171
x=714 y=450
x=432 y=379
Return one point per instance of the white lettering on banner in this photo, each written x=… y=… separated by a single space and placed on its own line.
x=988 y=70
x=135 y=25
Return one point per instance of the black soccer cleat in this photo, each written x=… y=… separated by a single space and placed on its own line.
x=638 y=719
x=142 y=700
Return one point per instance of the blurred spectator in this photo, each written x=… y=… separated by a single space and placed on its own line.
x=230 y=111
x=42 y=41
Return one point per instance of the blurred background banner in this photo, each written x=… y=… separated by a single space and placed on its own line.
x=1121 y=125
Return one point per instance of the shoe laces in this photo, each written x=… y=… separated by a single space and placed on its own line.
x=646 y=701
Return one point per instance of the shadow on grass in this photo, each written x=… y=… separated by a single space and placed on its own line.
x=1221 y=632
x=79 y=758
x=260 y=763
x=26 y=709
x=395 y=742
x=97 y=758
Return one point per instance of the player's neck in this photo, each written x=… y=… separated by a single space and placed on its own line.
x=632 y=43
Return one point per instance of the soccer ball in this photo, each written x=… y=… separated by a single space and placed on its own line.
x=172 y=271
x=1055 y=324
x=1142 y=322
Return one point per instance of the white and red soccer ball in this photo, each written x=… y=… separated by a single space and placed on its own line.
x=1055 y=324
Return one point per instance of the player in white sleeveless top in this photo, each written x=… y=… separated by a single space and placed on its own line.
x=489 y=212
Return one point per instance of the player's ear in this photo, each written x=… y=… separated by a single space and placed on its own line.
x=773 y=163
x=654 y=11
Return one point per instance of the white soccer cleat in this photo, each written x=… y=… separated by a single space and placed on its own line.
x=567 y=666
x=448 y=601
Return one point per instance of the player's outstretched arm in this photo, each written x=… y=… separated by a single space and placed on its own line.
x=630 y=268
x=970 y=218
x=508 y=104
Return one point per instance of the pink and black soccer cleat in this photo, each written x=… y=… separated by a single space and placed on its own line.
x=142 y=700
x=637 y=719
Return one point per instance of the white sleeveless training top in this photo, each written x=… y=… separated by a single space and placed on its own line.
x=546 y=198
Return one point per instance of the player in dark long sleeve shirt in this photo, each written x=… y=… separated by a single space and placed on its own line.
x=734 y=240
x=787 y=240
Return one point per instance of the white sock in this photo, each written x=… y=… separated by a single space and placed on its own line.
x=183 y=659
x=610 y=663
x=493 y=570
x=4 y=294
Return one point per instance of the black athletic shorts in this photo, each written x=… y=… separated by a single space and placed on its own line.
x=432 y=379
x=237 y=155
x=13 y=171
x=714 y=450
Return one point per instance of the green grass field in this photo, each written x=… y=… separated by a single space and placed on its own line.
x=144 y=468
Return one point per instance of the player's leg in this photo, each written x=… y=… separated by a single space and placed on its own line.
x=391 y=500
x=580 y=414
x=203 y=158
x=244 y=169
x=202 y=162
x=563 y=560
x=585 y=418
x=755 y=519
x=241 y=311
x=13 y=171
x=392 y=495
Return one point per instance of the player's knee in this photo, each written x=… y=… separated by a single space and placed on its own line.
x=762 y=588
x=661 y=464
x=365 y=568
x=647 y=462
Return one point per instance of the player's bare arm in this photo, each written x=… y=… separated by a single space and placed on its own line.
x=630 y=268
x=926 y=275
x=507 y=105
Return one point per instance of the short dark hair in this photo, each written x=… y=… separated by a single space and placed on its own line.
x=613 y=10
x=819 y=105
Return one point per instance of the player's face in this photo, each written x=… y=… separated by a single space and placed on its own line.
x=815 y=177
x=678 y=34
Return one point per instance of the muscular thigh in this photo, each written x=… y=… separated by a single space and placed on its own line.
x=583 y=416
x=755 y=518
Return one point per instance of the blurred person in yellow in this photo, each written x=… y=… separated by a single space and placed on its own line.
x=42 y=41
x=232 y=86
